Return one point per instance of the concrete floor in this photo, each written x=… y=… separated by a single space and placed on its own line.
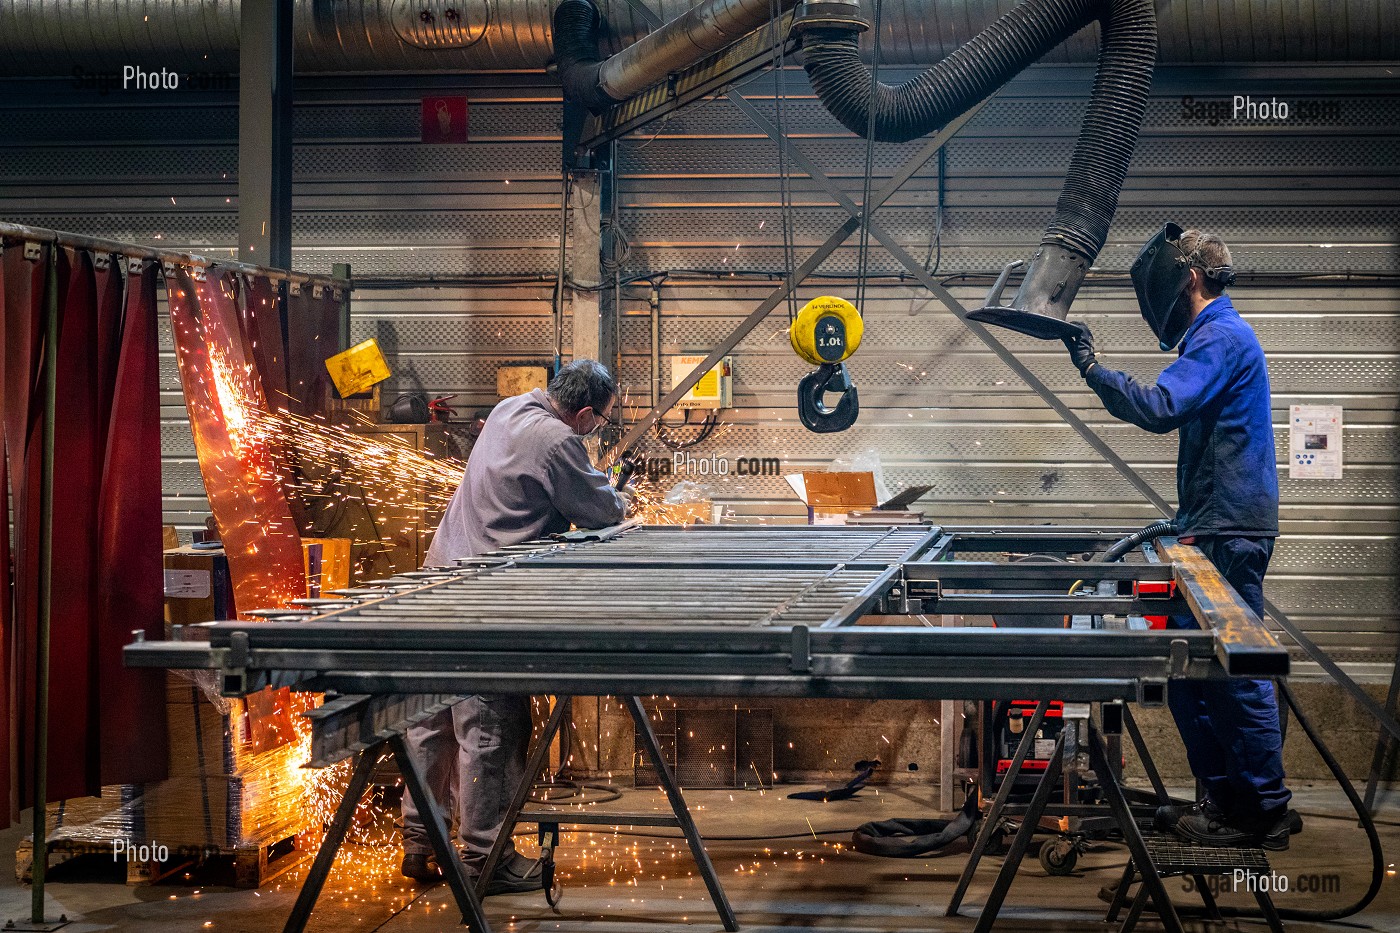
x=622 y=884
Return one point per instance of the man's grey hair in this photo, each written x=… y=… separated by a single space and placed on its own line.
x=583 y=384
x=1207 y=252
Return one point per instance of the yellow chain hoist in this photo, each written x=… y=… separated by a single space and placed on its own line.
x=825 y=333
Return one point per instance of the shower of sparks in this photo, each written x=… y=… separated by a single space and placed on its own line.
x=328 y=465
x=233 y=402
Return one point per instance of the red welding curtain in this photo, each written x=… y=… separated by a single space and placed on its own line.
x=106 y=521
x=224 y=395
x=313 y=333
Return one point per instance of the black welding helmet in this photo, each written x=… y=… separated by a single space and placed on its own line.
x=1160 y=274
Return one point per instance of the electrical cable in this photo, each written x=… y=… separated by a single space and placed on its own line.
x=572 y=790
x=1368 y=824
x=784 y=182
x=707 y=428
x=614 y=245
x=567 y=182
x=1153 y=531
x=863 y=254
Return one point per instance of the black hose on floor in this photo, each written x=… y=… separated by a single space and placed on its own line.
x=906 y=838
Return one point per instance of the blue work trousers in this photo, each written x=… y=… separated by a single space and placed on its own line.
x=1231 y=727
x=473 y=758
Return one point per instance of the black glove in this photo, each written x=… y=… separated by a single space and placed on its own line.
x=1080 y=345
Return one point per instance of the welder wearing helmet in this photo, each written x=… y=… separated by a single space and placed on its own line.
x=529 y=476
x=1215 y=394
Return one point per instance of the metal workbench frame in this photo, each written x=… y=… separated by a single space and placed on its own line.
x=733 y=611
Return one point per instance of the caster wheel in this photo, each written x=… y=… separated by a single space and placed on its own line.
x=1058 y=857
x=998 y=844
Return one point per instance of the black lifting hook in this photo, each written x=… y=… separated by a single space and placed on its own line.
x=830 y=377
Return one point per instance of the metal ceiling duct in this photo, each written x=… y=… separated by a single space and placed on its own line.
x=598 y=83
x=53 y=37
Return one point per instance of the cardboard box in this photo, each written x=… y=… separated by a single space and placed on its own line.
x=517 y=380
x=227 y=811
x=849 y=498
x=206 y=739
x=235 y=776
x=327 y=562
x=198 y=587
x=829 y=496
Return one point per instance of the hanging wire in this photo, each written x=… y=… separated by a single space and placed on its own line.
x=934 y=254
x=863 y=255
x=558 y=316
x=937 y=241
x=616 y=248
x=784 y=183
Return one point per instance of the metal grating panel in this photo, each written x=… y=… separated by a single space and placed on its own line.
x=1047 y=158
x=705 y=755
x=708 y=544
x=522 y=596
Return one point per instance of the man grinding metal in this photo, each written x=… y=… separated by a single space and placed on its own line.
x=1216 y=395
x=529 y=476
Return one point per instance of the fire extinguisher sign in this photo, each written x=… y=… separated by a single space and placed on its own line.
x=444 y=120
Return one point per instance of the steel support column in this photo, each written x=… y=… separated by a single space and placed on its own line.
x=594 y=299
x=265 y=133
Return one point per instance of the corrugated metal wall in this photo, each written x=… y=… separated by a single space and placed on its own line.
x=699 y=193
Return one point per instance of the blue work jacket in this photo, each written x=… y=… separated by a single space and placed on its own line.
x=1216 y=394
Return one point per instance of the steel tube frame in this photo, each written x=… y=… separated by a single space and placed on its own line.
x=44 y=608
x=422 y=638
x=163 y=256
x=265 y=132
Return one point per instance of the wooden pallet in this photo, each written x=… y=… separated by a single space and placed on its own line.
x=65 y=850
x=256 y=865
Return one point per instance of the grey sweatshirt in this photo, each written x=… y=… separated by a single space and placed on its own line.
x=528 y=476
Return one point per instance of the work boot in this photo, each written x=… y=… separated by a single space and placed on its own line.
x=419 y=867
x=1274 y=834
x=1166 y=818
x=516 y=875
x=1213 y=830
x=1267 y=832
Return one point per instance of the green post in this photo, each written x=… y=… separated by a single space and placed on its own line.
x=41 y=679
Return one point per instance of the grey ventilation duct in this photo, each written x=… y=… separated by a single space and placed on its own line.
x=921 y=105
x=598 y=83
x=52 y=37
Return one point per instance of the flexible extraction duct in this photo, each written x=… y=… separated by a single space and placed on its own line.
x=1089 y=198
x=599 y=83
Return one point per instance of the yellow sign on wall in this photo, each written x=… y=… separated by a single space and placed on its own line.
x=358 y=369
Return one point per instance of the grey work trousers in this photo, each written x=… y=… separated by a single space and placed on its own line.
x=473 y=758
